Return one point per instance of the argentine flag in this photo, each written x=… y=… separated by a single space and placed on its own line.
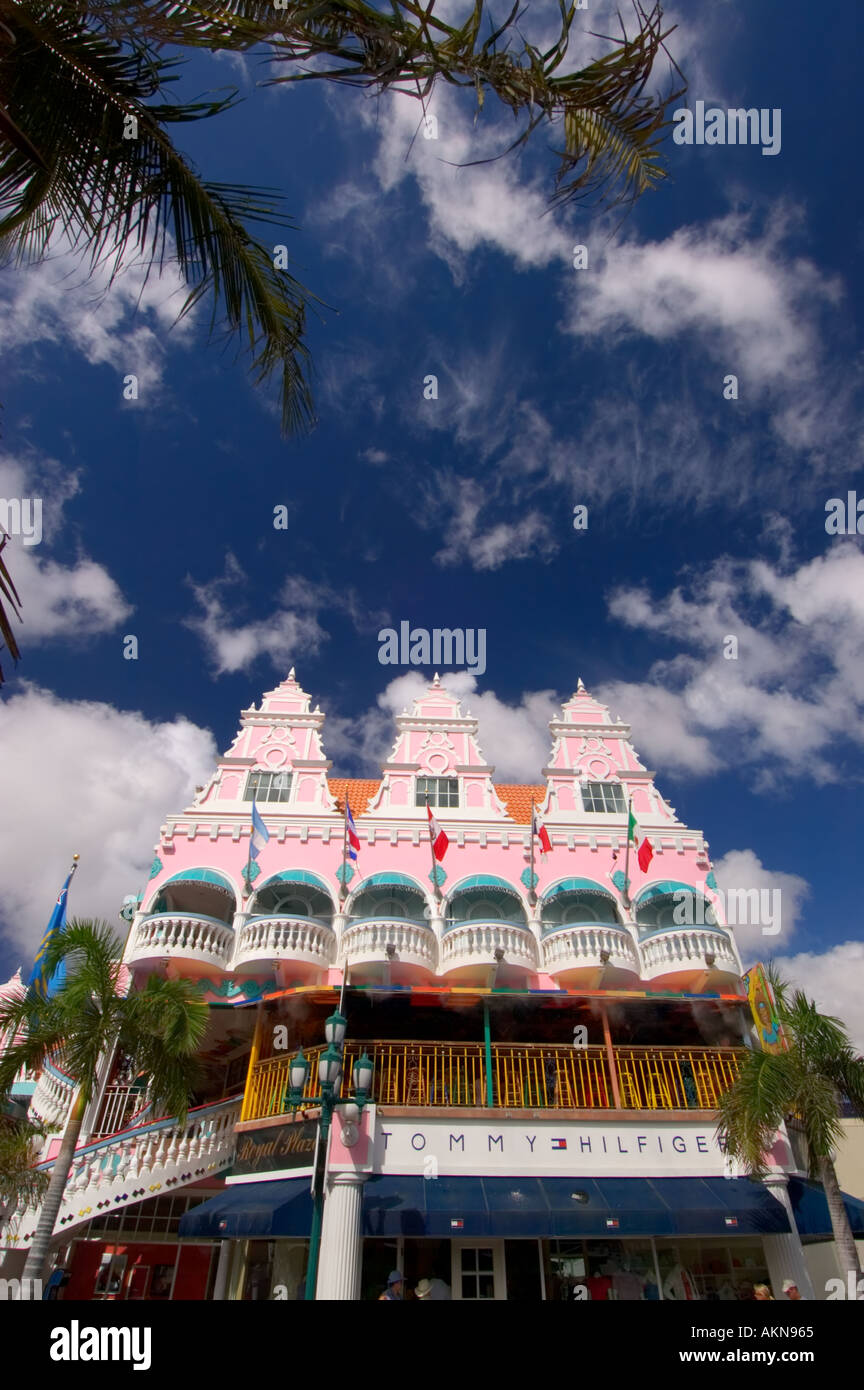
x=260 y=834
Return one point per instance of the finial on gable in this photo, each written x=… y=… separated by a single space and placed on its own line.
x=436 y=679
x=580 y=689
x=291 y=674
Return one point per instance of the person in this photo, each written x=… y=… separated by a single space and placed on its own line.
x=762 y=1293
x=395 y=1288
x=791 y=1290
x=432 y=1289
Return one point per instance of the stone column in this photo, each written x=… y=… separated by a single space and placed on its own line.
x=223 y=1265
x=784 y=1254
x=341 y=1244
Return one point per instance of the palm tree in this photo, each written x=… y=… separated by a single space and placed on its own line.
x=160 y=1027
x=10 y=594
x=21 y=1185
x=807 y=1083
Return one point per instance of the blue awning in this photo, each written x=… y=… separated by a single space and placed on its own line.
x=297 y=876
x=254 y=1209
x=409 y=1205
x=577 y=885
x=811 y=1210
x=210 y=876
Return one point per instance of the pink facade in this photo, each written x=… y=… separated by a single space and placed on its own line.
x=298 y=926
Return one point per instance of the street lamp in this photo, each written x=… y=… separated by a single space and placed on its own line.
x=329 y=1080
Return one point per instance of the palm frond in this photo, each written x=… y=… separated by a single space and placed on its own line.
x=612 y=130
x=111 y=180
x=8 y=596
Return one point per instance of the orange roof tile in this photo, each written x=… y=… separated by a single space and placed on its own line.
x=518 y=800
x=359 y=790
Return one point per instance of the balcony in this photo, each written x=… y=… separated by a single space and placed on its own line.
x=591 y=954
x=182 y=936
x=521 y=1076
x=701 y=959
x=470 y=949
x=407 y=948
x=304 y=941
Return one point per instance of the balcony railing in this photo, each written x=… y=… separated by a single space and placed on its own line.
x=522 y=1076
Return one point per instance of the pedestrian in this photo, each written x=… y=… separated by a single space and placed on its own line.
x=395 y=1289
x=762 y=1293
x=791 y=1290
x=434 y=1289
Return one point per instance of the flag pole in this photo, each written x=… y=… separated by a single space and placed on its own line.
x=435 y=888
x=343 y=893
x=532 y=896
x=343 y=886
x=626 y=891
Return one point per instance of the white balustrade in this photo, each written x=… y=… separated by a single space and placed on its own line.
x=184 y=935
x=110 y=1174
x=367 y=941
x=683 y=948
x=470 y=943
x=572 y=946
x=52 y=1096
x=292 y=938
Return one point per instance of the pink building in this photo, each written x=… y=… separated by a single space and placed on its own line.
x=548 y=1037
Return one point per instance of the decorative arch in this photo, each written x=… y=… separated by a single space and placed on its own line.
x=395 y=904
x=207 y=892
x=577 y=885
x=308 y=888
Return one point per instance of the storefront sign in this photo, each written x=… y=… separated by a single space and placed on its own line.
x=550 y=1148
x=286 y=1148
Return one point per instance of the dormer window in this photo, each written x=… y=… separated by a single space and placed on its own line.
x=438 y=791
x=603 y=796
x=268 y=786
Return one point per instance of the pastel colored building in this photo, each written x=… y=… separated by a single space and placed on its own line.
x=549 y=1034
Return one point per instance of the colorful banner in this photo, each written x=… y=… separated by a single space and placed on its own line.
x=764 y=1010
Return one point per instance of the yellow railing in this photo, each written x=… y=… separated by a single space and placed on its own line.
x=523 y=1076
x=675 y=1078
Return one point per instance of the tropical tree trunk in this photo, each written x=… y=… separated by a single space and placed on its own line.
x=35 y=1266
x=847 y=1251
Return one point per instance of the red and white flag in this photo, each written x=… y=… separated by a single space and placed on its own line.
x=644 y=855
x=437 y=836
x=539 y=829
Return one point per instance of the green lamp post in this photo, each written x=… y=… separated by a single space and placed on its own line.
x=329 y=1079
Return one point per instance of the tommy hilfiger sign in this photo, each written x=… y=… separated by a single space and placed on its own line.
x=549 y=1149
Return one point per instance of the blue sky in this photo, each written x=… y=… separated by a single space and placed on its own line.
x=556 y=387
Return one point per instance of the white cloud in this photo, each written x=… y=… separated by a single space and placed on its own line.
x=119 y=322
x=742 y=869
x=290 y=629
x=834 y=979
x=753 y=305
x=487 y=544
x=85 y=778
x=792 y=694
x=70 y=601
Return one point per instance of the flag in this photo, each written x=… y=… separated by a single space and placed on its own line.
x=645 y=854
x=437 y=836
x=559 y=1143
x=539 y=829
x=351 y=833
x=38 y=980
x=260 y=834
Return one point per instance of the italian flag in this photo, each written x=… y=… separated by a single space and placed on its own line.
x=644 y=852
x=437 y=836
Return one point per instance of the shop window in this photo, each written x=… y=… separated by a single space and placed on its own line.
x=477 y=1271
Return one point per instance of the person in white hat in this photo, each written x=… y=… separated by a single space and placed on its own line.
x=791 y=1290
x=432 y=1289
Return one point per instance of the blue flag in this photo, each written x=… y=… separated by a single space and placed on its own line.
x=38 y=980
x=260 y=834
